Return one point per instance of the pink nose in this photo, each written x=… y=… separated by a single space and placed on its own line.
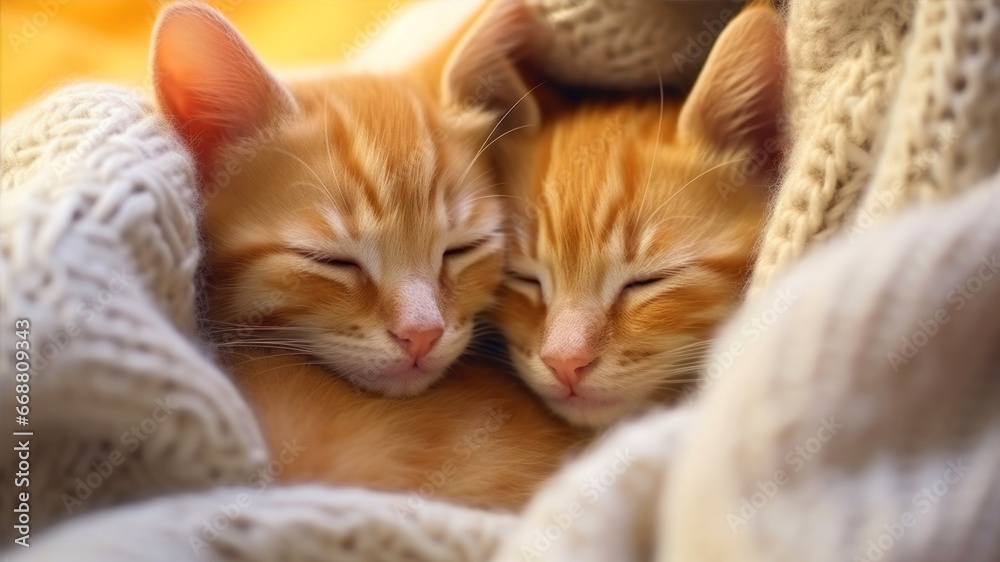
x=418 y=341
x=568 y=369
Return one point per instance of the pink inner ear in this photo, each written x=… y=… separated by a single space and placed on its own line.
x=209 y=81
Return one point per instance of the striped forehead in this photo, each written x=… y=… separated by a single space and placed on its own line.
x=375 y=174
x=389 y=155
x=592 y=212
x=585 y=199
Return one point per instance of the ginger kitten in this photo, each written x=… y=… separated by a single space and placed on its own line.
x=634 y=231
x=352 y=235
x=349 y=213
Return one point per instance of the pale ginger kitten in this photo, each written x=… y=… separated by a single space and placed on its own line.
x=634 y=231
x=352 y=236
x=350 y=209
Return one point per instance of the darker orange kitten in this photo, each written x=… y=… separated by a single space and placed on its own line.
x=634 y=231
x=352 y=235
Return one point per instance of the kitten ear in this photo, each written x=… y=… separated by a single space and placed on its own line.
x=738 y=97
x=209 y=80
x=480 y=74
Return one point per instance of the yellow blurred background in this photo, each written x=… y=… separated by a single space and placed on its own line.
x=47 y=43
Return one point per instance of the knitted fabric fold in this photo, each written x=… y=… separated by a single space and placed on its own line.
x=99 y=252
x=270 y=524
x=860 y=416
x=890 y=103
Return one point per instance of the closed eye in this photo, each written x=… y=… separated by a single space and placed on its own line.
x=457 y=251
x=329 y=260
x=642 y=282
x=651 y=280
x=524 y=278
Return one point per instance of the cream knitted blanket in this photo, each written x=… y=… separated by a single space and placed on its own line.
x=851 y=409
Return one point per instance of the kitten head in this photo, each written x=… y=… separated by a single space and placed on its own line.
x=346 y=216
x=635 y=231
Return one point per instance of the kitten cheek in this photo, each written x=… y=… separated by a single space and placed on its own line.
x=534 y=373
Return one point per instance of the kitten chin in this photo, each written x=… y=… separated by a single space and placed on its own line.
x=590 y=411
x=634 y=230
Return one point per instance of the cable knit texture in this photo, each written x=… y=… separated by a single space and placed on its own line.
x=891 y=102
x=851 y=409
x=623 y=44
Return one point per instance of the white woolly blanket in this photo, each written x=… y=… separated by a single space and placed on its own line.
x=851 y=409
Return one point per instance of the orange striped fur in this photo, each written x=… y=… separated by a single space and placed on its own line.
x=634 y=229
x=359 y=176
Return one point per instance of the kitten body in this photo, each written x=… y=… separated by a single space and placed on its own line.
x=478 y=437
x=634 y=228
